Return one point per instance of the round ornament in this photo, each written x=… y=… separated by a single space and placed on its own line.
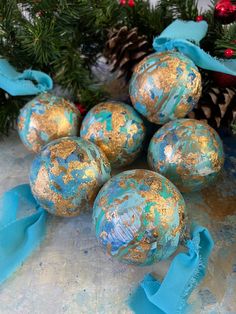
x=46 y=118
x=139 y=217
x=67 y=174
x=188 y=152
x=117 y=129
x=165 y=86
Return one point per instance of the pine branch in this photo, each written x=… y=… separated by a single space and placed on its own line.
x=9 y=110
x=92 y=96
x=182 y=9
x=70 y=70
x=64 y=37
x=39 y=41
x=227 y=40
x=150 y=20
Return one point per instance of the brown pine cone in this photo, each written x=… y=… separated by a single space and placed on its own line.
x=217 y=106
x=124 y=49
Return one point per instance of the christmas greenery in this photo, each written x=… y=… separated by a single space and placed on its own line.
x=64 y=38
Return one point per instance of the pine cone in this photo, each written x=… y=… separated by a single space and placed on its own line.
x=124 y=49
x=217 y=106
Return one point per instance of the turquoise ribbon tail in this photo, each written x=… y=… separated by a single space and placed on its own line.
x=185 y=273
x=22 y=228
x=185 y=37
x=30 y=82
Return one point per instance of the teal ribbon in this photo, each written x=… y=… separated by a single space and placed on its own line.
x=185 y=273
x=22 y=228
x=179 y=36
x=29 y=82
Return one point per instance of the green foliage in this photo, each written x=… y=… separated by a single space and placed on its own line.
x=182 y=9
x=228 y=40
x=150 y=20
x=219 y=37
x=39 y=41
x=233 y=126
x=9 y=109
x=70 y=69
x=64 y=37
x=92 y=96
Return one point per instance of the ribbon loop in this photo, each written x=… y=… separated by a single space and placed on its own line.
x=22 y=228
x=179 y=35
x=187 y=30
x=29 y=82
x=186 y=271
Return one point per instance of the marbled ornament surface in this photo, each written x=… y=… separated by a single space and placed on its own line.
x=188 y=152
x=139 y=216
x=70 y=274
x=46 y=118
x=67 y=174
x=165 y=86
x=117 y=129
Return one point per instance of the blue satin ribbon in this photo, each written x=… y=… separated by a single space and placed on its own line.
x=22 y=228
x=29 y=82
x=185 y=273
x=178 y=36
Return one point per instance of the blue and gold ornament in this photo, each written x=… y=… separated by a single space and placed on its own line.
x=67 y=174
x=165 y=86
x=188 y=152
x=117 y=129
x=46 y=118
x=139 y=216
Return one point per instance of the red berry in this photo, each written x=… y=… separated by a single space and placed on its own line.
x=225 y=11
x=229 y=53
x=199 y=18
x=131 y=3
x=81 y=108
x=122 y=2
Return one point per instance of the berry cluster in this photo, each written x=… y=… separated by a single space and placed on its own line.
x=131 y=3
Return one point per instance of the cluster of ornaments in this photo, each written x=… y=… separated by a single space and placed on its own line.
x=139 y=215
